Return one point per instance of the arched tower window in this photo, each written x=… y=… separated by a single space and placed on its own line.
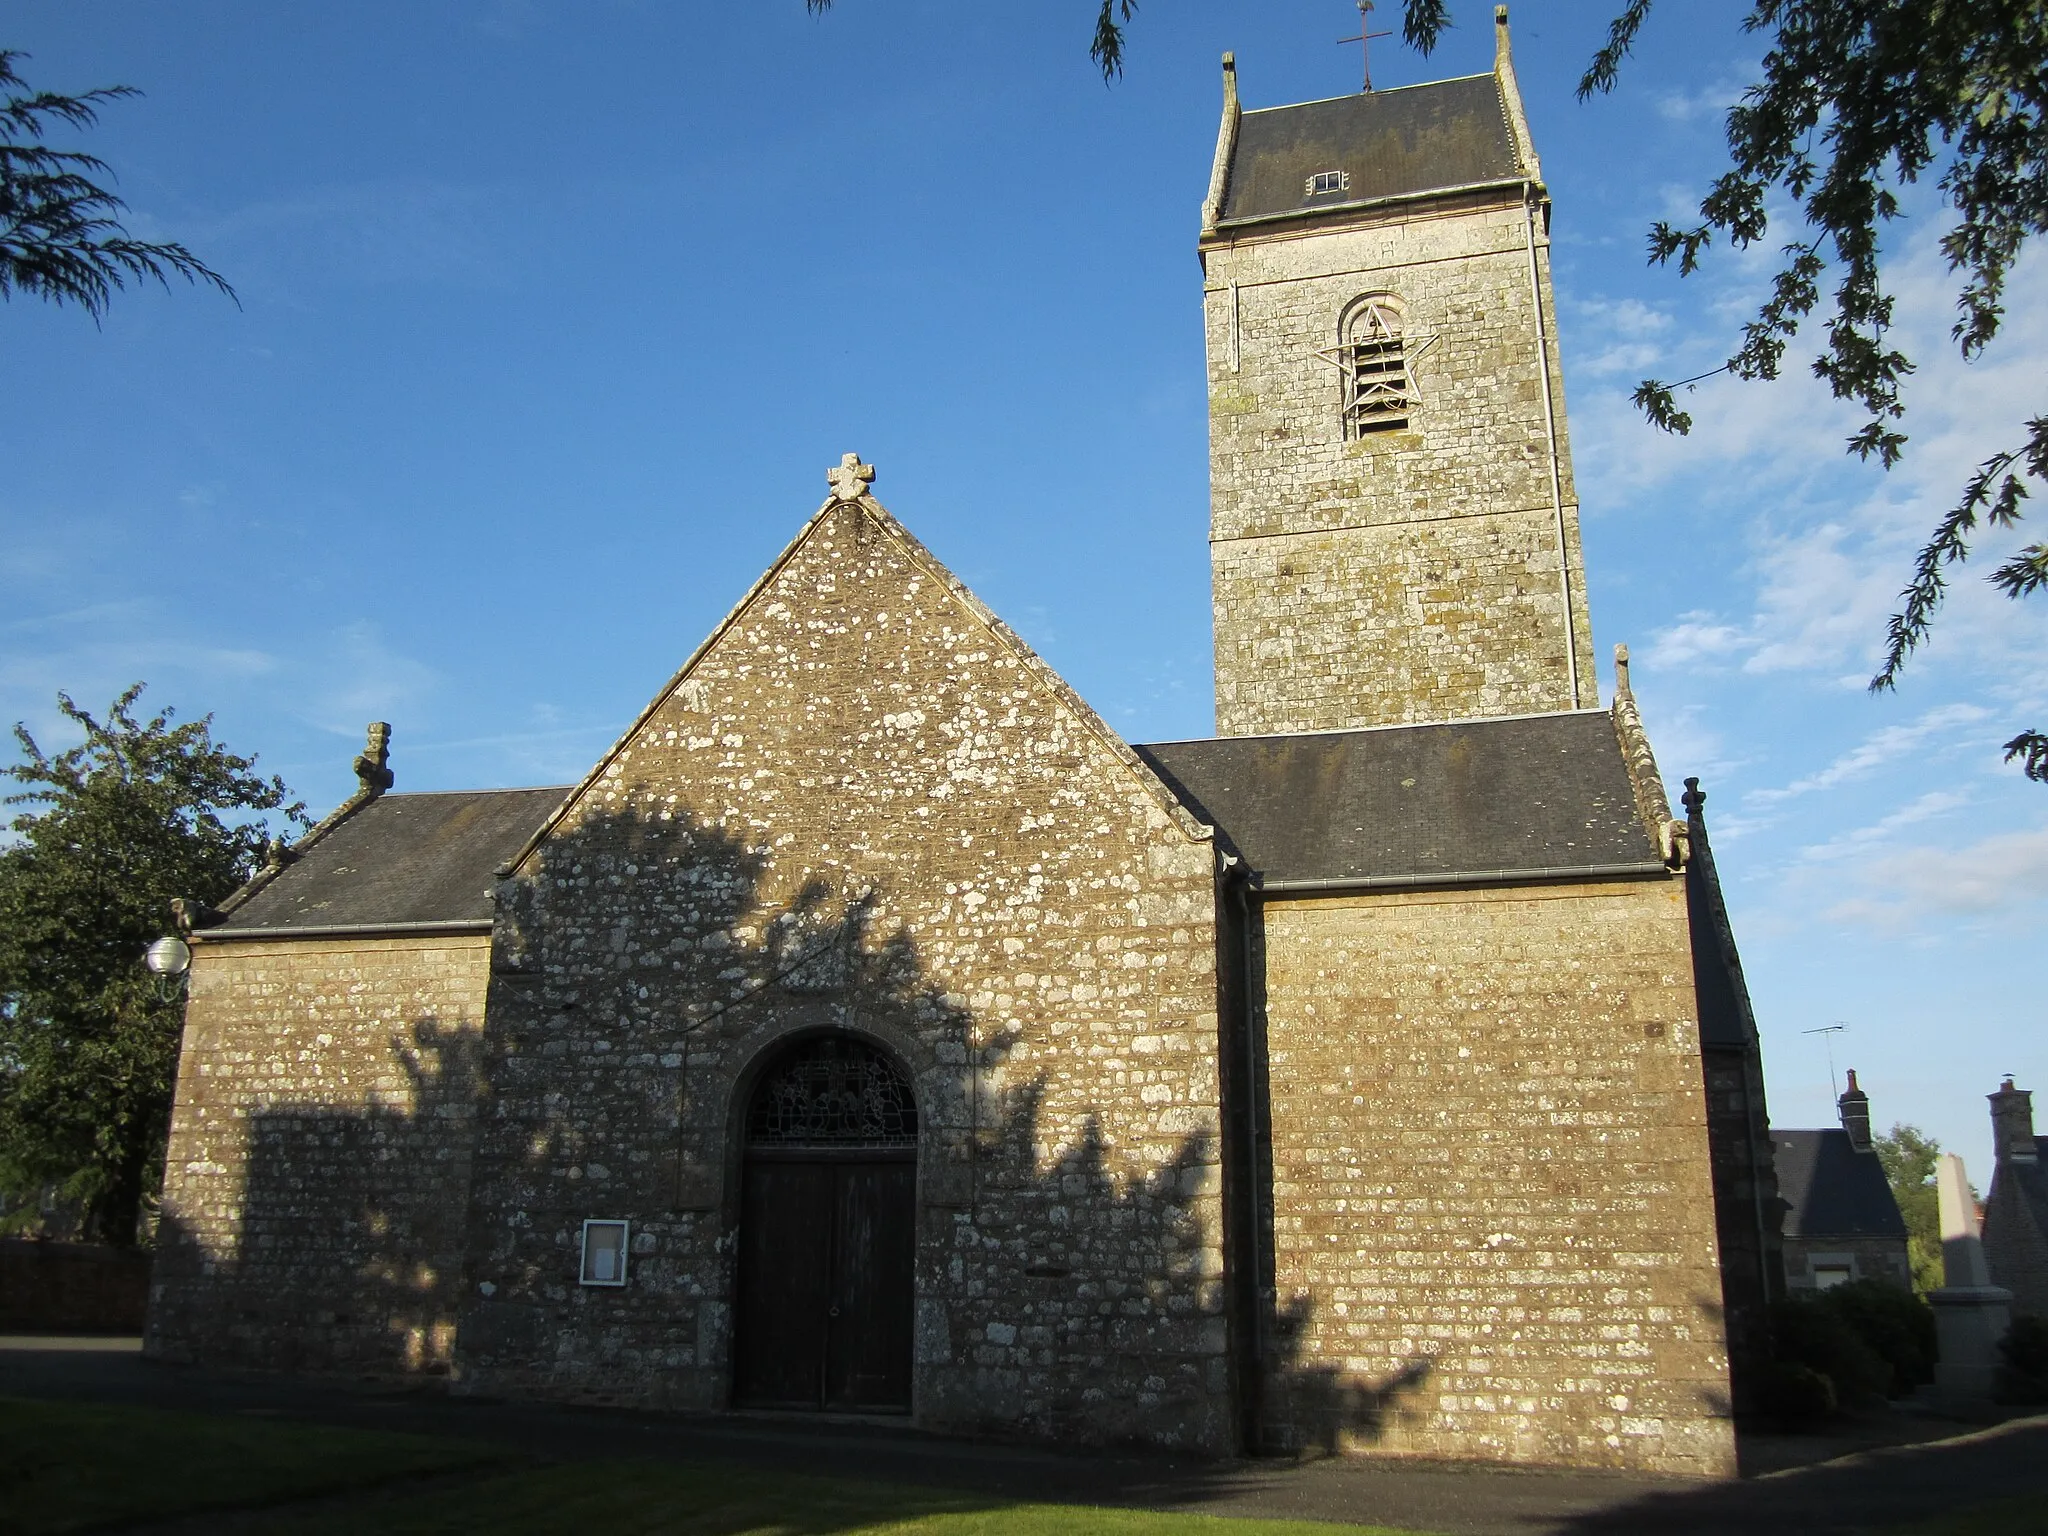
x=1379 y=395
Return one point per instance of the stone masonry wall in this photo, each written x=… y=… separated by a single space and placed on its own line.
x=1869 y=1258
x=2015 y=1239
x=1446 y=618
x=866 y=807
x=319 y=1155
x=1492 y=1223
x=1411 y=575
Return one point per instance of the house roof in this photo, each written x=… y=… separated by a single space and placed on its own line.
x=1506 y=796
x=1831 y=1189
x=1404 y=142
x=401 y=859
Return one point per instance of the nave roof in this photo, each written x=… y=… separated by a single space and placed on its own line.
x=1520 y=795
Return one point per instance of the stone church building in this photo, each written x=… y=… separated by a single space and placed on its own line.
x=873 y=1030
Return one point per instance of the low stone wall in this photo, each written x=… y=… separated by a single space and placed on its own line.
x=71 y=1288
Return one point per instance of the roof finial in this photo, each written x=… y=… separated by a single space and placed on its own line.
x=850 y=478
x=1694 y=799
x=1621 y=671
x=372 y=770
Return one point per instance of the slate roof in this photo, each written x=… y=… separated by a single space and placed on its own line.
x=2032 y=1181
x=1831 y=1189
x=1418 y=138
x=1539 y=792
x=424 y=858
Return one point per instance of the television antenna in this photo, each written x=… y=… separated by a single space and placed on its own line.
x=1828 y=1032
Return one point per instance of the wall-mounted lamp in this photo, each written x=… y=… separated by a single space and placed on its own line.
x=170 y=961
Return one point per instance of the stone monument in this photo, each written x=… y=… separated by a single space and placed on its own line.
x=1970 y=1313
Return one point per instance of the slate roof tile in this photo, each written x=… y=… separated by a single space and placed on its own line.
x=1415 y=139
x=419 y=858
x=1538 y=792
x=1831 y=1189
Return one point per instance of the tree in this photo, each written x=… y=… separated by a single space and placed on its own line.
x=60 y=235
x=1859 y=99
x=139 y=813
x=1908 y=1155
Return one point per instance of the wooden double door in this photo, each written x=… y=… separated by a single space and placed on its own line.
x=827 y=1258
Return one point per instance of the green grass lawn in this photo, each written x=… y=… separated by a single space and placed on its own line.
x=2026 y=1515
x=70 y=1467
x=640 y=1498
x=76 y=1466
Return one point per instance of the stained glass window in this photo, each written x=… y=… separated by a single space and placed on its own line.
x=833 y=1091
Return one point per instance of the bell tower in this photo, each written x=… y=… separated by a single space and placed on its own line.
x=1394 y=534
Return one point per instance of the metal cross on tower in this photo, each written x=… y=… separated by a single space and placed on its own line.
x=1364 y=39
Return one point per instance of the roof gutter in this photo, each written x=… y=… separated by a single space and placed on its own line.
x=1554 y=874
x=468 y=925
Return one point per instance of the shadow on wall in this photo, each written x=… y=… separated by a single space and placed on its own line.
x=1067 y=1287
x=1290 y=1402
x=347 y=1251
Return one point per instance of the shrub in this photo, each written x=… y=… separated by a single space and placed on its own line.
x=1809 y=1331
x=2024 y=1376
x=1896 y=1324
x=1795 y=1396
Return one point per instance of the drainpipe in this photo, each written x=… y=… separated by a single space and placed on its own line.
x=1240 y=878
x=1564 y=569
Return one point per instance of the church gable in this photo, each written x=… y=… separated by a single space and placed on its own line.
x=858 y=649
x=865 y=811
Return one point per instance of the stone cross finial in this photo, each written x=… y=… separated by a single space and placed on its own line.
x=850 y=478
x=372 y=772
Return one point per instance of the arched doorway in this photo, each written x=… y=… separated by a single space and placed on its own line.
x=828 y=1231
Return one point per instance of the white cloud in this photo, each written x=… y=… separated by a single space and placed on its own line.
x=403 y=231
x=1626 y=337
x=1697 y=636
x=1859 y=841
x=1710 y=101
x=1947 y=725
x=1901 y=890
x=359 y=678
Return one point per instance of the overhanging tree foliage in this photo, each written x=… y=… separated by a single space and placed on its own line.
x=60 y=235
x=1859 y=99
x=1909 y=1155
x=140 y=812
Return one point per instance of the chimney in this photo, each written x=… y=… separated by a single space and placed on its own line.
x=2012 y=1124
x=1855 y=1108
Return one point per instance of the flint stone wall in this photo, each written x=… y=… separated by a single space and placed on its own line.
x=866 y=807
x=1411 y=575
x=318 y=1174
x=1492 y=1215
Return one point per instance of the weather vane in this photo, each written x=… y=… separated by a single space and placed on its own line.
x=1364 y=39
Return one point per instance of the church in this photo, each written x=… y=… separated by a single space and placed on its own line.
x=873 y=1031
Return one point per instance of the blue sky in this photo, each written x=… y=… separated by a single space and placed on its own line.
x=553 y=316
